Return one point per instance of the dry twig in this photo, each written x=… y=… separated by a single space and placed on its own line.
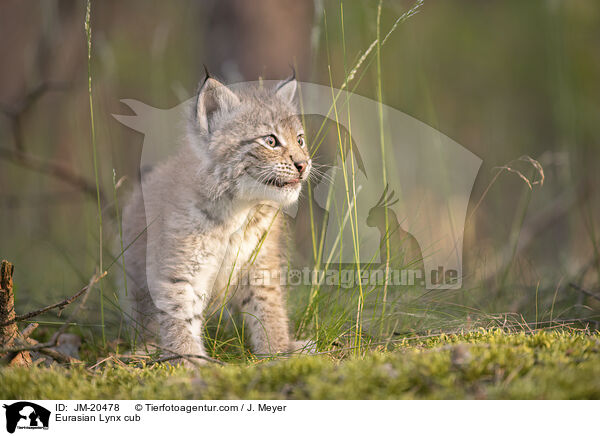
x=29 y=330
x=59 y=305
x=52 y=343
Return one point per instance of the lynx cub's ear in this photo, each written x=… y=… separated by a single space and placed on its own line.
x=286 y=89
x=213 y=97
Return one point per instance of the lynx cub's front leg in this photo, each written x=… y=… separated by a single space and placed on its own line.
x=180 y=318
x=265 y=316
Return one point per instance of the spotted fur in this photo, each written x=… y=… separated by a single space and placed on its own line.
x=211 y=214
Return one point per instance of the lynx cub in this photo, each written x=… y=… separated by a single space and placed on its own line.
x=211 y=213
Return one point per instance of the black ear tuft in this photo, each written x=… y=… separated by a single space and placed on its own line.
x=199 y=88
x=286 y=89
x=213 y=97
x=293 y=77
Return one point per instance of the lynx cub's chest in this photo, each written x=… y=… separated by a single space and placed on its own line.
x=241 y=246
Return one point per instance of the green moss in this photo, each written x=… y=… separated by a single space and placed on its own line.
x=486 y=364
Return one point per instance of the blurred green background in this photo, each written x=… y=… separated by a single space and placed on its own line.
x=503 y=78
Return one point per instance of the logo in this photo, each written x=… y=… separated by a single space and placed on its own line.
x=26 y=415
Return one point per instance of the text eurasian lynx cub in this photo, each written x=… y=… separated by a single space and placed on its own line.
x=210 y=214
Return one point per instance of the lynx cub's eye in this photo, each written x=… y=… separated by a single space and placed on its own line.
x=270 y=141
x=301 y=140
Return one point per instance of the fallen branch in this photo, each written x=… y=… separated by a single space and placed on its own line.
x=59 y=305
x=50 y=352
x=52 y=343
x=29 y=330
x=55 y=354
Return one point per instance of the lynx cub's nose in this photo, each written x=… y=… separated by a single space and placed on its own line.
x=301 y=166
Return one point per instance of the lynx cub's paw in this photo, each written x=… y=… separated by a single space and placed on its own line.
x=303 y=347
